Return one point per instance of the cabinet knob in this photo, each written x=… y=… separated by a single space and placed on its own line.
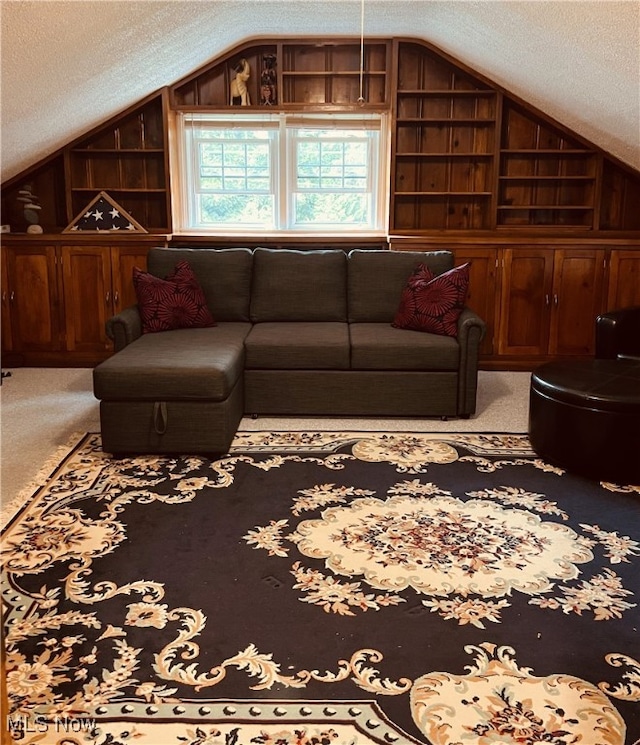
x=555 y=299
x=546 y=300
x=107 y=298
x=12 y=296
x=116 y=297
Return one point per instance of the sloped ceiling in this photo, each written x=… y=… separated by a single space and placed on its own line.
x=67 y=66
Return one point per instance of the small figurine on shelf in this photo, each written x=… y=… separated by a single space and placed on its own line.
x=268 y=90
x=30 y=208
x=239 y=90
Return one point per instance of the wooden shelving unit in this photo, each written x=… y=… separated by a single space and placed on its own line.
x=466 y=156
x=546 y=177
x=309 y=73
x=318 y=74
x=127 y=159
x=549 y=222
x=443 y=148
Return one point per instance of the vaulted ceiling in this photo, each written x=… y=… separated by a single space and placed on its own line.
x=69 y=65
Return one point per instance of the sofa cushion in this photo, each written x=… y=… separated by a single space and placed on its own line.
x=293 y=285
x=223 y=273
x=376 y=280
x=379 y=346
x=175 y=302
x=186 y=364
x=298 y=345
x=433 y=304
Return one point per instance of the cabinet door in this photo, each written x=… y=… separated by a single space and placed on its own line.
x=7 y=344
x=32 y=285
x=88 y=298
x=624 y=279
x=527 y=281
x=482 y=288
x=578 y=276
x=123 y=259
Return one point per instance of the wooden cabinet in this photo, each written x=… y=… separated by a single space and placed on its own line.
x=483 y=288
x=623 y=290
x=578 y=276
x=87 y=297
x=57 y=297
x=527 y=279
x=549 y=301
x=5 y=318
x=97 y=283
x=539 y=300
x=30 y=299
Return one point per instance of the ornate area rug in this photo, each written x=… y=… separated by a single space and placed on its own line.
x=324 y=588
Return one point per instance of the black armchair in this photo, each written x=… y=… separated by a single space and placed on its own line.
x=618 y=334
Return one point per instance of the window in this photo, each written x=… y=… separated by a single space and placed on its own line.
x=281 y=172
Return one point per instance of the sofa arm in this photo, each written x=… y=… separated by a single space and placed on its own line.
x=124 y=327
x=471 y=331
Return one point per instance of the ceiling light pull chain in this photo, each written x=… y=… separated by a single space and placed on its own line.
x=361 y=96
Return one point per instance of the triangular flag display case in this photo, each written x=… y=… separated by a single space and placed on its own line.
x=103 y=214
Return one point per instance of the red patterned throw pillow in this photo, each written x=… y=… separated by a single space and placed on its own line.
x=431 y=303
x=175 y=302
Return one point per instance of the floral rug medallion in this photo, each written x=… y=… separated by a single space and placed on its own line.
x=324 y=587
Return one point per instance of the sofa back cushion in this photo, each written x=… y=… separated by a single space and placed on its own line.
x=223 y=273
x=376 y=280
x=291 y=285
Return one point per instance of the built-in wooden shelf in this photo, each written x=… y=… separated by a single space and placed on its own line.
x=465 y=154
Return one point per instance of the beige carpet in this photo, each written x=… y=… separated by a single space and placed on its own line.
x=42 y=408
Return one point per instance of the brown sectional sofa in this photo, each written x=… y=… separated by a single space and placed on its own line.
x=298 y=333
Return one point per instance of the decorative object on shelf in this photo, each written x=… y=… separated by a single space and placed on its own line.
x=268 y=83
x=31 y=208
x=239 y=91
x=103 y=215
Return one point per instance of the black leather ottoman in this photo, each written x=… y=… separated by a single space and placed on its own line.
x=584 y=416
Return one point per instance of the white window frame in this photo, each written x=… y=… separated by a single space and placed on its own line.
x=283 y=176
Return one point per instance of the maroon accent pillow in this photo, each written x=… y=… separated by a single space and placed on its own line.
x=421 y=272
x=433 y=304
x=175 y=302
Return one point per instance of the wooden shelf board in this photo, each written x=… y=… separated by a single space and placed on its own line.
x=119 y=189
x=533 y=151
x=445 y=120
x=443 y=193
x=547 y=178
x=114 y=151
x=332 y=73
x=444 y=155
x=545 y=207
x=441 y=92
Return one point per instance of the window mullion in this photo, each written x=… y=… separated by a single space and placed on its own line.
x=285 y=184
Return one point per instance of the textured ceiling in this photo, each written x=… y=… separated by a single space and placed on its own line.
x=67 y=66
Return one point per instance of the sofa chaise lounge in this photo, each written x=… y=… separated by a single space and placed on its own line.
x=298 y=332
